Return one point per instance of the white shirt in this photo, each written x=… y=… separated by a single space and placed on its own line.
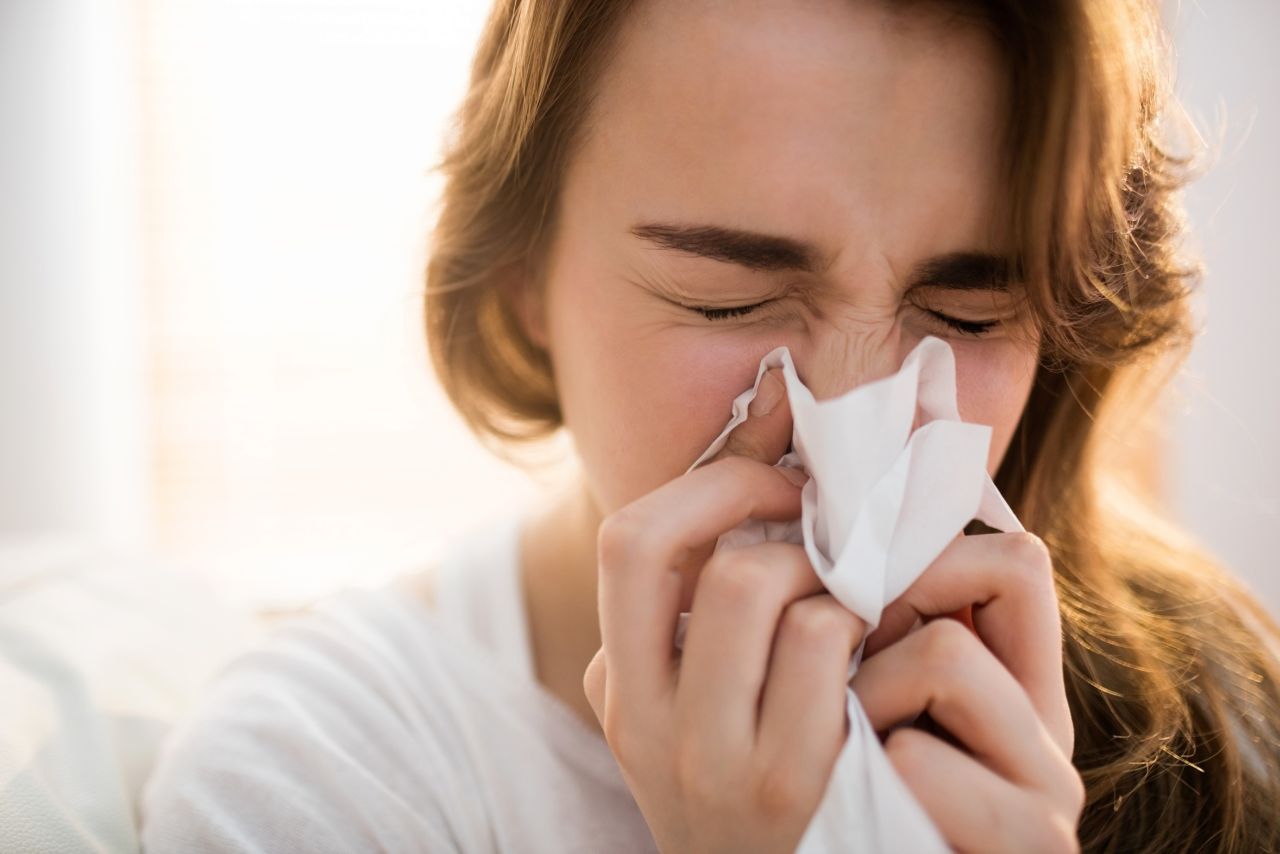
x=380 y=723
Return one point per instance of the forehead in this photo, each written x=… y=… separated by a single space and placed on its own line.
x=825 y=119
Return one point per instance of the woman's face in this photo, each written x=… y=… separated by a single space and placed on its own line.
x=838 y=162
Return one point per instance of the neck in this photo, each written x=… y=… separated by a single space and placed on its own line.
x=558 y=572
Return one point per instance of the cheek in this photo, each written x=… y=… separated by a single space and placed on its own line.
x=993 y=382
x=641 y=400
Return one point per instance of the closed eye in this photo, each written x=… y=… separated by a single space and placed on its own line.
x=975 y=328
x=965 y=327
x=723 y=313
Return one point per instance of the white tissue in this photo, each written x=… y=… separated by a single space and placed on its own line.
x=881 y=504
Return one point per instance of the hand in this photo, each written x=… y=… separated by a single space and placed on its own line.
x=1010 y=784
x=727 y=747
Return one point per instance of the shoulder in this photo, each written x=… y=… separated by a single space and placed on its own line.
x=309 y=741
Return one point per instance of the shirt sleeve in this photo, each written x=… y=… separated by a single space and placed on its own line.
x=308 y=744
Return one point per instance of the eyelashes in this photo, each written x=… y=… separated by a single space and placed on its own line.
x=724 y=313
x=975 y=328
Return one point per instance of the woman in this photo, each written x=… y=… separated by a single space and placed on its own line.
x=642 y=200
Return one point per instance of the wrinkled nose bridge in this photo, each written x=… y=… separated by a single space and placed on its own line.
x=842 y=359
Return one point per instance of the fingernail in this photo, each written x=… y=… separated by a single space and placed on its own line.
x=767 y=395
x=796 y=476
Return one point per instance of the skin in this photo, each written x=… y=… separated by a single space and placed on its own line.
x=873 y=136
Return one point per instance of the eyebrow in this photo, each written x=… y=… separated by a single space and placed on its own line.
x=965 y=271
x=749 y=249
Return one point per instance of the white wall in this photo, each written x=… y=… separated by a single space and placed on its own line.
x=1226 y=466
x=72 y=407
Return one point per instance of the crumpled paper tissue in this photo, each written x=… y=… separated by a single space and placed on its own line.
x=881 y=504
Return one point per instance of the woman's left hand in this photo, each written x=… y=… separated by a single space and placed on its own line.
x=1010 y=786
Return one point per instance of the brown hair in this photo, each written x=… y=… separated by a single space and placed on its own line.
x=1172 y=668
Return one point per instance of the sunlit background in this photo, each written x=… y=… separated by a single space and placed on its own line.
x=213 y=227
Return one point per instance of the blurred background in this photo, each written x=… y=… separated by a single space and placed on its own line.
x=212 y=222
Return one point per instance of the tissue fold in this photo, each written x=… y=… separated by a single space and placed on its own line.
x=881 y=504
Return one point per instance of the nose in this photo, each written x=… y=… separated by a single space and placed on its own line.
x=840 y=358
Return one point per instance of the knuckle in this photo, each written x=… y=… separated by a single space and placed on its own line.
x=593 y=678
x=1032 y=567
x=1060 y=836
x=617 y=536
x=1042 y=828
x=817 y=621
x=737 y=577
x=1069 y=737
x=779 y=795
x=1027 y=549
x=1077 y=794
x=946 y=644
x=907 y=749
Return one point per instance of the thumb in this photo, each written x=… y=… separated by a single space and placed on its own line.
x=593 y=682
x=766 y=433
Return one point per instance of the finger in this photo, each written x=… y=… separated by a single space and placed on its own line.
x=593 y=680
x=944 y=670
x=639 y=547
x=993 y=815
x=766 y=433
x=764 y=436
x=1008 y=579
x=805 y=693
x=740 y=598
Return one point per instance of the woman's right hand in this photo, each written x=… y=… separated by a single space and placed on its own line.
x=729 y=745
